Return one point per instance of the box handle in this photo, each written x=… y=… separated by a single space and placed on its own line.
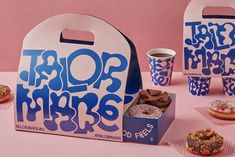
x=77 y=37
x=195 y=8
x=220 y=13
x=51 y=30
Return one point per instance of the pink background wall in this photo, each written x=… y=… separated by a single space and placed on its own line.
x=148 y=23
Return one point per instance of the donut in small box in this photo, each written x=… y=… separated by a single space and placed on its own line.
x=149 y=116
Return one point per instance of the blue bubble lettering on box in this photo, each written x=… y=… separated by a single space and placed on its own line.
x=45 y=70
x=96 y=59
x=50 y=87
x=128 y=99
x=24 y=75
x=33 y=54
x=116 y=83
x=210 y=49
x=91 y=101
x=104 y=108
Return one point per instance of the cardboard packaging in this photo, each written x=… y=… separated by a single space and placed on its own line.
x=75 y=88
x=209 y=40
x=148 y=131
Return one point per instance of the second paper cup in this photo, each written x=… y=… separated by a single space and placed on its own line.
x=199 y=86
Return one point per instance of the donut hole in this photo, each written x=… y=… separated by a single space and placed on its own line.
x=146 y=112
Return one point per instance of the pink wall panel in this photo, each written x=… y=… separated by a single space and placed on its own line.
x=148 y=23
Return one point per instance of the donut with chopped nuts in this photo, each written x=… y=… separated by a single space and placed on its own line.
x=204 y=142
x=5 y=93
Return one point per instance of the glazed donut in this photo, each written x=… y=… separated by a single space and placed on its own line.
x=204 y=142
x=5 y=93
x=145 y=111
x=222 y=109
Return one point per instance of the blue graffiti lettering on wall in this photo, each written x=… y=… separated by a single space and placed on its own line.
x=211 y=47
x=55 y=90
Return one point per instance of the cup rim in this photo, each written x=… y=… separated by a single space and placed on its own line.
x=160 y=50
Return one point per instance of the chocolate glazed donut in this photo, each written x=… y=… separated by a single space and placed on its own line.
x=155 y=98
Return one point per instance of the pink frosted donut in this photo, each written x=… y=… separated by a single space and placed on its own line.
x=222 y=109
x=223 y=106
x=145 y=111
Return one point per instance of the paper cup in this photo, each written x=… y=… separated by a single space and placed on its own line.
x=229 y=86
x=199 y=86
x=161 y=62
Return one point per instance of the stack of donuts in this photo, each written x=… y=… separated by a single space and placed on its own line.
x=151 y=104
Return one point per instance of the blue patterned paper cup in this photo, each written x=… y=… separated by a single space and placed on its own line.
x=161 y=63
x=229 y=86
x=199 y=86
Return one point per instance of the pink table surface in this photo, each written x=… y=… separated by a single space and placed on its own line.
x=23 y=144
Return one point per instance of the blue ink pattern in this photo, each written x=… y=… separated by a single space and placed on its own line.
x=161 y=70
x=50 y=89
x=229 y=86
x=210 y=48
x=199 y=85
